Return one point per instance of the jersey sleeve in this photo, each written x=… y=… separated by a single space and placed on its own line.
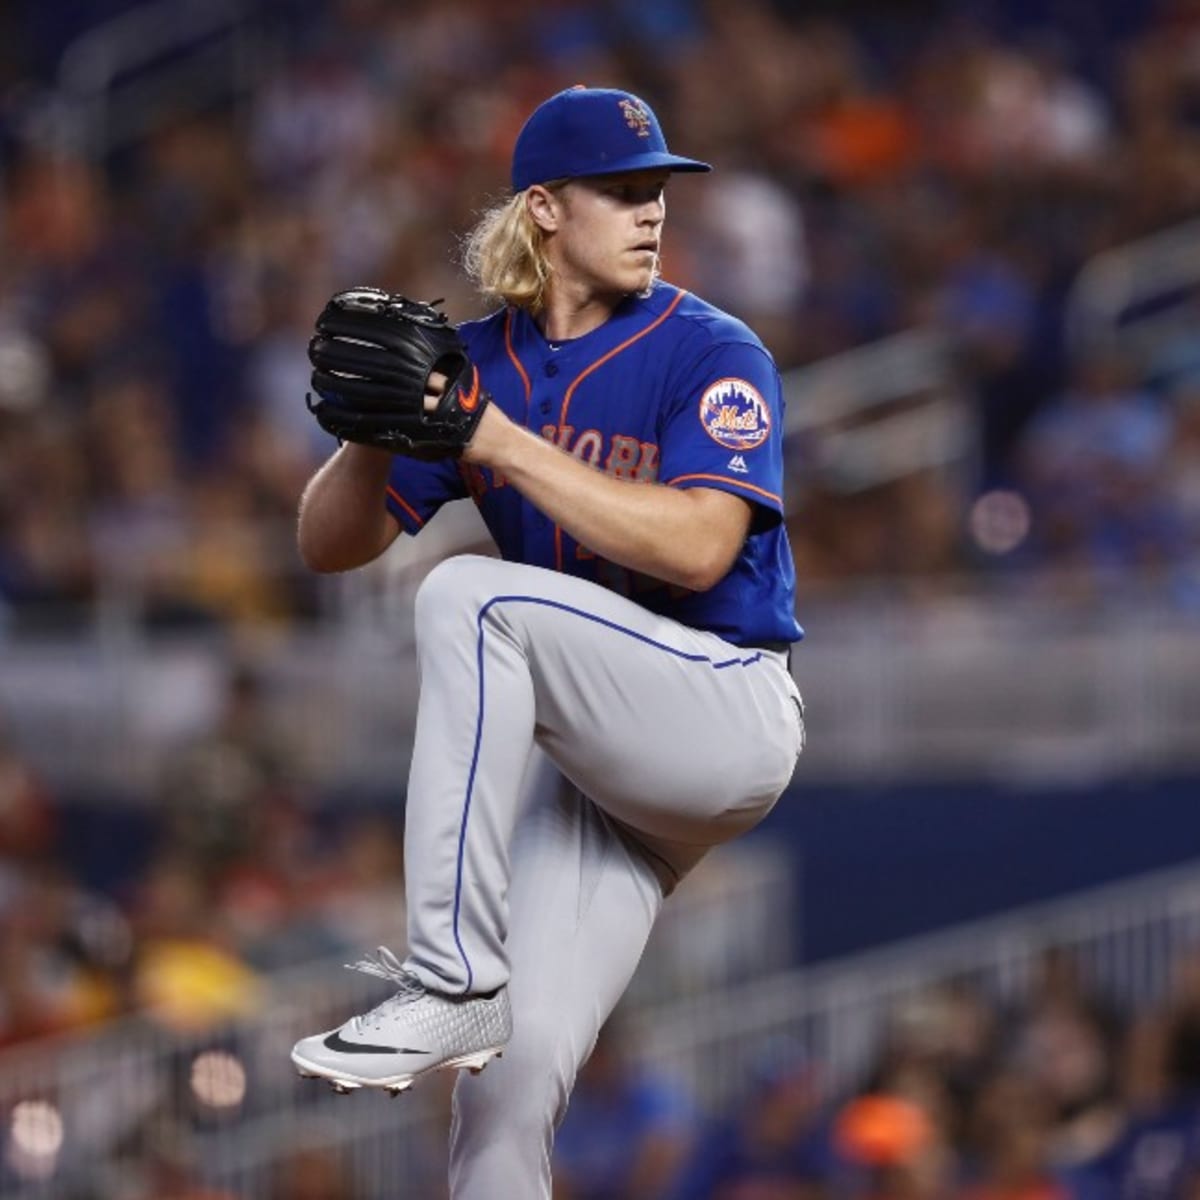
x=416 y=490
x=724 y=429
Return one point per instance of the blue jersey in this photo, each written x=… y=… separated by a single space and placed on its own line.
x=668 y=389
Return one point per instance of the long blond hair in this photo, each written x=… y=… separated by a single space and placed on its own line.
x=505 y=253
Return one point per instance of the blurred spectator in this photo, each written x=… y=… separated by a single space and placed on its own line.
x=985 y=296
x=64 y=959
x=774 y=1141
x=1063 y=1042
x=28 y=822
x=174 y=1180
x=1022 y=105
x=1090 y=464
x=313 y=1175
x=360 y=896
x=65 y=950
x=890 y=1149
x=218 y=786
x=1158 y=1155
x=941 y=1045
x=878 y=169
x=47 y=566
x=906 y=530
x=1181 y=488
x=1010 y=1137
x=137 y=522
x=750 y=253
x=187 y=973
x=316 y=116
x=232 y=568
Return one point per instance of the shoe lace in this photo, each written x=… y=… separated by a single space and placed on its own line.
x=384 y=964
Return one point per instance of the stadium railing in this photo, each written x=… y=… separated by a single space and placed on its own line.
x=894 y=687
x=127 y=76
x=224 y=1100
x=880 y=412
x=1128 y=939
x=103 y=1103
x=1137 y=295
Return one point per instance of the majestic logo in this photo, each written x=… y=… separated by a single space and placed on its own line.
x=737 y=464
x=637 y=116
x=735 y=415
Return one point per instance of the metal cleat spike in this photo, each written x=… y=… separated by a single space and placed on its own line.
x=342 y=1087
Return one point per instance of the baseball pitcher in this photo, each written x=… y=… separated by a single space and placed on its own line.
x=611 y=697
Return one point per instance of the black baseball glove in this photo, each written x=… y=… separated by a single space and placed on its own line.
x=372 y=356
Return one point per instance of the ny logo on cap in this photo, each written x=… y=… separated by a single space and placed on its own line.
x=636 y=116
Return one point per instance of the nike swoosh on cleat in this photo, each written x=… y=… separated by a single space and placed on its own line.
x=336 y=1042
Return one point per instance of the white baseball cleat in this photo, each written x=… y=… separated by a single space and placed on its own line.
x=412 y=1033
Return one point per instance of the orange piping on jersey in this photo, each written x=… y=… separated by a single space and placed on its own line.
x=749 y=487
x=516 y=362
x=566 y=404
x=408 y=508
x=641 y=333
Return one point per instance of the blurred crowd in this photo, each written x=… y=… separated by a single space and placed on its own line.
x=881 y=168
x=1053 y=1090
x=184 y=910
x=1056 y=1094
x=1050 y=1089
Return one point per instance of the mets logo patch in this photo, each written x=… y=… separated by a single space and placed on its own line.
x=735 y=415
x=636 y=117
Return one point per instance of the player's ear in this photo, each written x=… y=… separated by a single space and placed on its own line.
x=545 y=207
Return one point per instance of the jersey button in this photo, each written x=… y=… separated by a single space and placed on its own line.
x=551 y=368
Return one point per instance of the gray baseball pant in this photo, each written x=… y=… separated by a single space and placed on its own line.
x=575 y=756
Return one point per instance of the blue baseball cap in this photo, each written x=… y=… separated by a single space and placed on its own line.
x=591 y=131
